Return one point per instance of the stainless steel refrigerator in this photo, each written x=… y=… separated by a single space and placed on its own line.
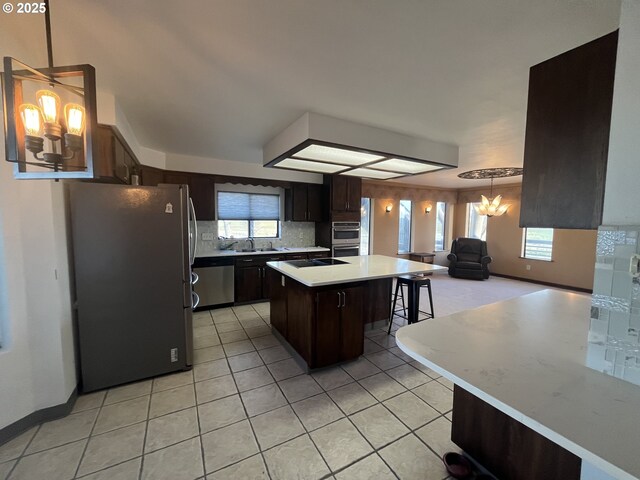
x=133 y=248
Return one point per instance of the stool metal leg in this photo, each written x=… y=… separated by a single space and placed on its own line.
x=430 y=300
x=393 y=307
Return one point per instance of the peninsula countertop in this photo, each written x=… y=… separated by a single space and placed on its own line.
x=526 y=357
x=360 y=268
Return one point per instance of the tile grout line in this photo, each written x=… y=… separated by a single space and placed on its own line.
x=22 y=454
x=248 y=419
x=93 y=427
x=146 y=429
x=204 y=466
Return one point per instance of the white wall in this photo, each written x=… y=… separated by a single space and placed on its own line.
x=37 y=368
x=110 y=113
x=622 y=195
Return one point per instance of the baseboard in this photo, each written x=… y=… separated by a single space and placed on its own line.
x=44 y=415
x=547 y=284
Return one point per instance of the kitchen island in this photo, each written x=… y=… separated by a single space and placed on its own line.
x=322 y=311
x=525 y=405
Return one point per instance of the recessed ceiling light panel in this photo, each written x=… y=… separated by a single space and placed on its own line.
x=309 y=166
x=322 y=144
x=370 y=173
x=405 y=166
x=336 y=155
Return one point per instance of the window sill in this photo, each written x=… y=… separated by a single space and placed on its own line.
x=536 y=259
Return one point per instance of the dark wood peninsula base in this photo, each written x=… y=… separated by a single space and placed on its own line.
x=506 y=447
x=325 y=325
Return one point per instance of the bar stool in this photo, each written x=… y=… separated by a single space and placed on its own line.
x=413 y=283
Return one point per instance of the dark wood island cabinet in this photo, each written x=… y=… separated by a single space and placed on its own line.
x=322 y=312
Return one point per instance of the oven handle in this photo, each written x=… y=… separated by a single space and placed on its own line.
x=341 y=229
x=347 y=247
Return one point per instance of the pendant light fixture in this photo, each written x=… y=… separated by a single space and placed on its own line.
x=492 y=206
x=50 y=116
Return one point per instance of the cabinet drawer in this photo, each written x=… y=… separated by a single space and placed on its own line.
x=259 y=260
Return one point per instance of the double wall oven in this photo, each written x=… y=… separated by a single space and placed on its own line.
x=345 y=239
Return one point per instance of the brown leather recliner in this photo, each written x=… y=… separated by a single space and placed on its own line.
x=469 y=259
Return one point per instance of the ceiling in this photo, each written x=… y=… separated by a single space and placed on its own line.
x=220 y=78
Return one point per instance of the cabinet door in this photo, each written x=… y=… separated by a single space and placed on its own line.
x=201 y=190
x=176 y=178
x=327 y=331
x=567 y=137
x=151 y=177
x=299 y=206
x=315 y=204
x=121 y=169
x=338 y=193
x=103 y=158
x=248 y=284
x=354 y=194
x=352 y=326
x=267 y=279
x=278 y=301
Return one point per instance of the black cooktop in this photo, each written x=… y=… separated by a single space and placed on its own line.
x=315 y=262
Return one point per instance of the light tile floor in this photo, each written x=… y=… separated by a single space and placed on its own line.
x=246 y=410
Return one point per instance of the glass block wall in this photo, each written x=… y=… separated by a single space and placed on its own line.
x=614 y=346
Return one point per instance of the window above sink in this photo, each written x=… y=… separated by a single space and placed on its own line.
x=245 y=211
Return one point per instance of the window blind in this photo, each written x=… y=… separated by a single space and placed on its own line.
x=248 y=206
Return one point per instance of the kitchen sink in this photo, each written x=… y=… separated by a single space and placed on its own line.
x=246 y=250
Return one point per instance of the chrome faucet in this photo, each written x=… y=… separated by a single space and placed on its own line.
x=270 y=245
x=252 y=243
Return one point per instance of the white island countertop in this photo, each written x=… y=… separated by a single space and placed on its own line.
x=526 y=357
x=360 y=268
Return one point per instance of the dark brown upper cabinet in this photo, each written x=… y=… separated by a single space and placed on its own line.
x=202 y=192
x=304 y=203
x=114 y=161
x=567 y=137
x=151 y=176
x=345 y=194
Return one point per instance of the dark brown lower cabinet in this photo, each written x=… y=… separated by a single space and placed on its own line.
x=278 y=301
x=248 y=283
x=506 y=447
x=324 y=324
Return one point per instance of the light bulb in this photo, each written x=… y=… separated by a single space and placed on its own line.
x=31 y=119
x=75 y=117
x=49 y=105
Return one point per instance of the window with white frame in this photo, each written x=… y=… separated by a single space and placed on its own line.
x=247 y=214
x=365 y=226
x=404 y=227
x=441 y=221
x=537 y=243
x=476 y=223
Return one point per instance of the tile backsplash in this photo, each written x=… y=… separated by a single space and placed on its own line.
x=292 y=234
x=614 y=346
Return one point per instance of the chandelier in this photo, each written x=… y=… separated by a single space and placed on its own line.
x=492 y=206
x=50 y=117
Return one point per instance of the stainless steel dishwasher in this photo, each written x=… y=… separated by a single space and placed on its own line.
x=215 y=286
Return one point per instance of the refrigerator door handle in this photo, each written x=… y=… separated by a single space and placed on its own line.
x=195 y=300
x=194 y=240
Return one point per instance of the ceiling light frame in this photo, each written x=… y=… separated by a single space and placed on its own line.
x=292 y=154
x=313 y=129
